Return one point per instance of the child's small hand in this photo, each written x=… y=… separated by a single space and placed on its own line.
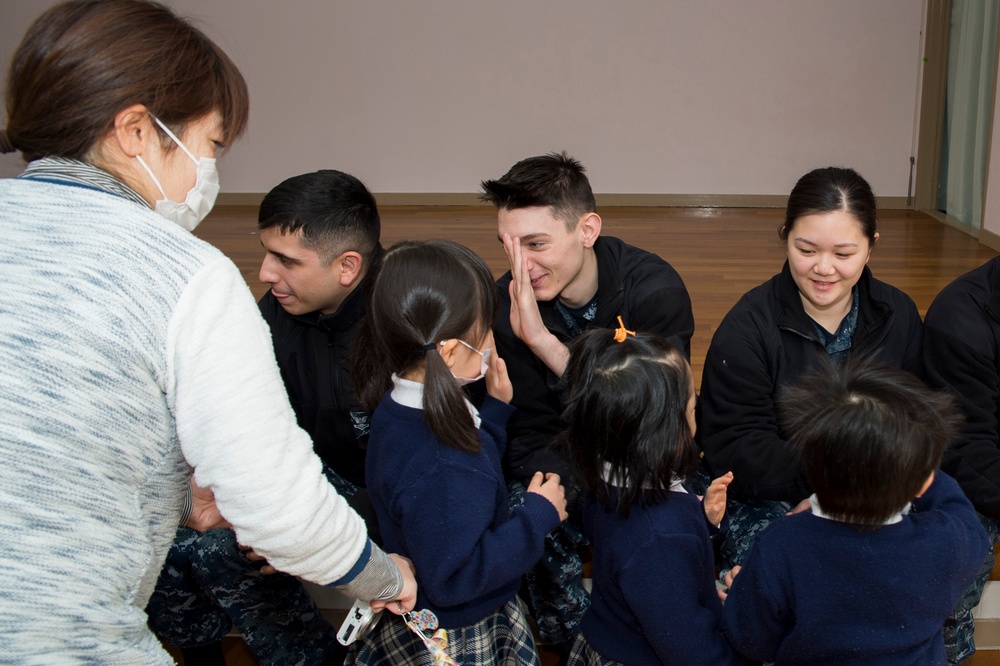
x=727 y=580
x=804 y=505
x=715 y=498
x=548 y=486
x=497 y=381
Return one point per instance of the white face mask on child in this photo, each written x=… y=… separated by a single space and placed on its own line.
x=484 y=365
x=200 y=198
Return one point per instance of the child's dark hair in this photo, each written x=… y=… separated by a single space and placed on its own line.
x=424 y=292
x=869 y=436
x=626 y=416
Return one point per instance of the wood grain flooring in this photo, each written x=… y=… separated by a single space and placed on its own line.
x=720 y=252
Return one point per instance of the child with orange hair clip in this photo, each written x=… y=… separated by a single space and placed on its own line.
x=630 y=424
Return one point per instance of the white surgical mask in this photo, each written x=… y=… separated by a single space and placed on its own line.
x=200 y=198
x=484 y=364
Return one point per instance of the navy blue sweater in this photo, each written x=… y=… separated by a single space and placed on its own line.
x=654 y=598
x=447 y=511
x=818 y=591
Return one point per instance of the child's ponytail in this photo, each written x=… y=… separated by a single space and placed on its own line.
x=425 y=292
x=445 y=410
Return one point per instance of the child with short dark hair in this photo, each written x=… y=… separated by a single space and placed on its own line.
x=630 y=423
x=870 y=574
x=433 y=466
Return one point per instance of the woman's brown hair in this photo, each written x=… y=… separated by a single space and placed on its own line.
x=82 y=62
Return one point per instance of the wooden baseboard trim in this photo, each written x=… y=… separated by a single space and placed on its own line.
x=603 y=200
x=990 y=239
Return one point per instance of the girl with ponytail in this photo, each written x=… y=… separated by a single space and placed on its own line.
x=433 y=467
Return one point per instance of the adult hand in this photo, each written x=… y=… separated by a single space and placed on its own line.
x=254 y=557
x=715 y=498
x=525 y=317
x=497 y=381
x=407 y=598
x=204 y=513
x=548 y=486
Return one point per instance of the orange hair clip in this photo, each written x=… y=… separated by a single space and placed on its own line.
x=621 y=332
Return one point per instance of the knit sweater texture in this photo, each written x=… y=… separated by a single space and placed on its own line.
x=654 y=599
x=131 y=351
x=447 y=510
x=817 y=591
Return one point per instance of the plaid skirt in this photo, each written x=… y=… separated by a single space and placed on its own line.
x=501 y=639
x=584 y=655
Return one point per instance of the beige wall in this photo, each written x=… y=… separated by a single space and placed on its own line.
x=681 y=97
x=991 y=208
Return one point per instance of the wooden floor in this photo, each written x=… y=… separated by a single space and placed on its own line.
x=981 y=658
x=720 y=252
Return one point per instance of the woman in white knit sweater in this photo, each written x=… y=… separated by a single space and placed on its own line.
x=131 y=352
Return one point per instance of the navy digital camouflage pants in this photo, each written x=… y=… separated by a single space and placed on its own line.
x=958 y=629
x=208 y=585
x=555 y=584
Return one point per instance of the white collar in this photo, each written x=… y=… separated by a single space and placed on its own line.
x=676 y=484
x=818 y=512
x=409 y=393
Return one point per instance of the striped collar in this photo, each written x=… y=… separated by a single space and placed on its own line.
x=77 y=172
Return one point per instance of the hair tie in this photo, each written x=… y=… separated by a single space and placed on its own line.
x=430 y=346
x=621 y=332
x=5 y=144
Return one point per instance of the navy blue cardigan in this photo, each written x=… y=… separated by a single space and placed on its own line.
x=654 y=599
x=817 y=591
x=447 y=511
